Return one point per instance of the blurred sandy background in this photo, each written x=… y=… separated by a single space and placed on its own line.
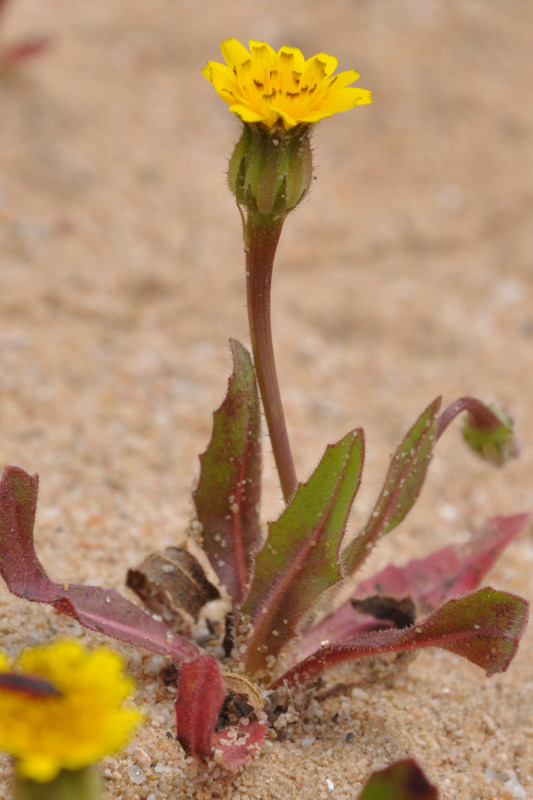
x=407 y=274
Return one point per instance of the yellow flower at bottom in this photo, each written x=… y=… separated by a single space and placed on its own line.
x=268 y=87
x=73 y=727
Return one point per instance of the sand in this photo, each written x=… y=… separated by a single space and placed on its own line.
x=406 y=275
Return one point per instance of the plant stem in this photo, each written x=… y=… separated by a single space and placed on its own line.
x=481 y=415
x=83 y=784
x=261 y=241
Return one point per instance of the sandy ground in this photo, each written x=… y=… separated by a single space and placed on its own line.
x=406 y=275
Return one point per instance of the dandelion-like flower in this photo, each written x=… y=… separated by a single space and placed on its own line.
x=268 y=87
x=278 y=96
x=62 y=708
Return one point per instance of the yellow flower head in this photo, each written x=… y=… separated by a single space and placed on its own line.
x=266 y=87
x=78 y=721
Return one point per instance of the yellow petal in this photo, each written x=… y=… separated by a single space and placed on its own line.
x=263 y=55
x=41 y=770
x=288 y=121
x=267 y=87
x=345 y=78
x=222 y=78
x=298 y=61
x=86 y=721
x=234 y=52
x=246 y=113
x=321 y=64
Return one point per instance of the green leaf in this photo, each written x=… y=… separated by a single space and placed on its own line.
x=403 y=780
x=484 y=626
x=405 y=478
x=428 y=581
x=300 y=559
x=228 y=493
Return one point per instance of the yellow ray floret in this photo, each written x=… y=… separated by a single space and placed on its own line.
x=80 y=721
x=266 y=87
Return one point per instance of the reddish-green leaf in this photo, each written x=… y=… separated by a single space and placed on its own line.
x=405 y=478
x=201 y=693
x=428 y=581
x=300 y=559
x=228 y=493
x=200 y=696
x=403 y=780
x=449 y=572
x=101 y=610
x=485 y=627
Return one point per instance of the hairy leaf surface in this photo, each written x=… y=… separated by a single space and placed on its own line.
x=228 y=493
x=485 y=627
x=449 y=572
x=201 y=693
x=405 y=478
x=300 y=559
x=429 y=581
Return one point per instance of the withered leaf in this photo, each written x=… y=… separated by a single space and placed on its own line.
x=239 y=686
x=242 y=700
x=401 y=613
x=174 y=585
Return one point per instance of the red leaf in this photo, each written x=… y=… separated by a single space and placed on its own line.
x=238 y=744
x=484 y=627
x=403 y=780
x=201 y=693
x=101 y=610
x=450 y=571
x=429 y=581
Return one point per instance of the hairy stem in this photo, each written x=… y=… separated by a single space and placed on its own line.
x=481 y=415
x=261 y=241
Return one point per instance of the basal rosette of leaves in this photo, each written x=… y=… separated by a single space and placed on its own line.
x=275 y=584
x=275 y=580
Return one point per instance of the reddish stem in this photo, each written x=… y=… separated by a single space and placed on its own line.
x=261 y=241
x=482 y=417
